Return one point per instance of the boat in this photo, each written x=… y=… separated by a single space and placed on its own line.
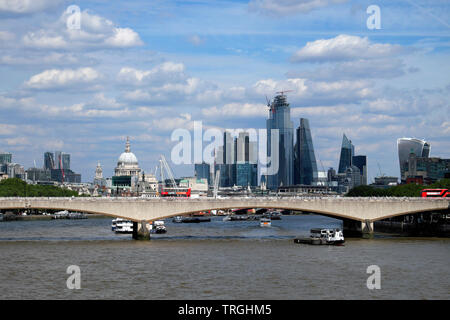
x=60 y=214
x=177 y=219
x=122 y=226
x=195 y=219
x=265 y=222
x=274 y=215
x=159 y=227
x=323 y=236
x=76 y=215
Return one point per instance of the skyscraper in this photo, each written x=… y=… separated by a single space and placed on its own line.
x=305 y=166
x=5 y=158
x=361 y=163
x=406 y=146
x=49 y=161
x=280 y=119
x=347 y=152
x=202 y=171
x=246 y=168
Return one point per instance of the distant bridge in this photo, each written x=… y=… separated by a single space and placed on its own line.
x=363 y=211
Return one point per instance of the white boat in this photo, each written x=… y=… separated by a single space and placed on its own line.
x=265 y=222
x=119 y=225
x=60 y=214
x=323 y=236
x=159 y=227
x=177 y=219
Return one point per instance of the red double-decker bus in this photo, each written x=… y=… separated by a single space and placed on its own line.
x=435 y=193
x=178 y=192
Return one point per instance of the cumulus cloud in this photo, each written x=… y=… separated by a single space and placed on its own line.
x=26 y=6
x=160 y=74
x=95 y=32
x=237 y=110
x=62 y=78
x=343 y=48
x=288 y=7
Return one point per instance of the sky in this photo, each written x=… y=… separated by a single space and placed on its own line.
x=143 y=69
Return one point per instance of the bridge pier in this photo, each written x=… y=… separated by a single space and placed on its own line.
x=141 y=230
x=354 y=228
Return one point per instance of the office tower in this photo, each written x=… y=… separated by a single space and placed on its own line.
x=58 y=160
x=246 y=168
x=361 y=163
x=405 y=146
x=305 y=166
x=65 y=161
x=49 y=161
x=202 y=171
x=5 y=158
x=347 y=152
x=280 y=119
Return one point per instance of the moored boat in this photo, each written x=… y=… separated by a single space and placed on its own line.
x=323 y=236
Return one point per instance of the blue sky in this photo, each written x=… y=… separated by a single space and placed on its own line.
x=145 y=68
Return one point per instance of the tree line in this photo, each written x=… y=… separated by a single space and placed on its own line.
x=14 y=187
x=404 y=190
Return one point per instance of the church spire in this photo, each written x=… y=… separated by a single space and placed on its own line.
x=127 y=145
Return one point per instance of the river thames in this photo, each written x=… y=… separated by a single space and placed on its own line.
x=215 y=260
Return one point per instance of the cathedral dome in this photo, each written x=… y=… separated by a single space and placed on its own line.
x=127 y=165
x=127 y=158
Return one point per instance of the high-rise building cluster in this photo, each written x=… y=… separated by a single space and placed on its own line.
x=291 y=157
x=56 y=169
x=297 y=161
x=235 y=162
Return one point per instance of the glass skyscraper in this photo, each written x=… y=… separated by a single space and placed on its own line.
x=202 y=171
x=49 y=161
x=305 y=165
x=405 y=146
x=347 y=152
x=361 y=163
x=280 y=119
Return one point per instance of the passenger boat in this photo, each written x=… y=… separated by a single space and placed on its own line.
x=119 y=225
x=265 y=222
x=324 y=236
x=159 y=227
x=177 y=219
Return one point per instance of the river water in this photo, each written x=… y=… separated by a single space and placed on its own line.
x=215 y=260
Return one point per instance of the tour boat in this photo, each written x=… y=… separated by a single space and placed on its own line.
x=177 y=219
x=323 y=236
x=122 y=226
x=265 y=222
x=159 y=227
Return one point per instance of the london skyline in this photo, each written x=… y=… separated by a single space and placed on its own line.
x=164 y=65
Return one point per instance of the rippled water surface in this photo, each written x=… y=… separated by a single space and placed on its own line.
x=215 y=260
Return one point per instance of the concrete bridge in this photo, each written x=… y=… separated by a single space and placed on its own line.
x=358 y=213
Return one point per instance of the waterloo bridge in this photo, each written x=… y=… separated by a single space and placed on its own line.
x=358 y=214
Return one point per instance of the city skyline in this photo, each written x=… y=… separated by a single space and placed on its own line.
x=154 y=70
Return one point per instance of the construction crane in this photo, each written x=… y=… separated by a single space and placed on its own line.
x=283 y=91
x=379 y=169
x=164 y=165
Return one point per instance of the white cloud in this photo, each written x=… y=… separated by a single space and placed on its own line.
x=343 y=48
x=236 y=110
x=26 y=6
x=60 y=78
x=160 y=74
x=123 y=37
x=95 y=32
x=288 y=7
